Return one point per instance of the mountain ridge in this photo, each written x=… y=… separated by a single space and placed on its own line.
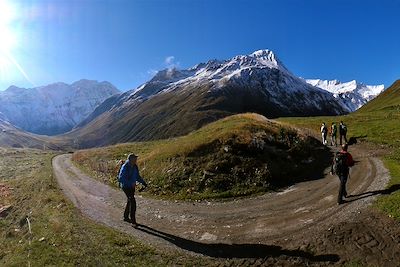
x=175 y=102
x=55 y=108
x=352 y=95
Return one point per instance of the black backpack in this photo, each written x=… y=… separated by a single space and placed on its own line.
x=340 y=163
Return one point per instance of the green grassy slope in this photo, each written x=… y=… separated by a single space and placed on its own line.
x=388 y=100
x=238 y=155
x=376 y=123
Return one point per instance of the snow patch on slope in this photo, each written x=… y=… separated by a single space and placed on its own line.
x=258 y=71
x=352 y=95
x=54 y=108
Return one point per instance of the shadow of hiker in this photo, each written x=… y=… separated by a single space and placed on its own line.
x=386 y=191
x=353 y=139
x=236 y=250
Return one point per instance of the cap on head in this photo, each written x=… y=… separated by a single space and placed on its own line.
x=132 y=156
x=344 y=147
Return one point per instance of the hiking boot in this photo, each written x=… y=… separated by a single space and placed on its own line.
x=134 y=223
x=127 y=220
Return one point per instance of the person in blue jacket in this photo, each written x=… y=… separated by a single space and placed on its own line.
x=128 y=176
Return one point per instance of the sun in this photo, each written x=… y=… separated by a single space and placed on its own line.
x=9 y=42
x=7 y=36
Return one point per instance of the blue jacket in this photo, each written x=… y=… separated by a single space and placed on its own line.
x=129 y=175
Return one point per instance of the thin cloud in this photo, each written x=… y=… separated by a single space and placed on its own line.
x=169 y=60
x=171 y=63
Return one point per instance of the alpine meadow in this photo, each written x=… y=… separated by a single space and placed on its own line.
x=199 y=133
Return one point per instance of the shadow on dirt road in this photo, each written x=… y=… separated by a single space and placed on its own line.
x=386 y=191
x=236 y=250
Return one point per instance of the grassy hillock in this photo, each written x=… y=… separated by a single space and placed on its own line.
x=376 y=123
x=239 y=155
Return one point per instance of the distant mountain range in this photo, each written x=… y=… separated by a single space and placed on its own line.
x=351 y=95
x=11 y=136
x=54 y=108
x=176 y=102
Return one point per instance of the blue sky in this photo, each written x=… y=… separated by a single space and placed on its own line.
x=125 y=42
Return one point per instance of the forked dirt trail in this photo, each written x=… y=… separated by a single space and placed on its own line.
x=302 y=215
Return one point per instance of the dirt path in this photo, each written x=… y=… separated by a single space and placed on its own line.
x=300 y=216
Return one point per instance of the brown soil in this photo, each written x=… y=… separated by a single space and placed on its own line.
x=301 y=225
x=4 y=191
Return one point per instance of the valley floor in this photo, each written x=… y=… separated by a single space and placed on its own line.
x=300 y=225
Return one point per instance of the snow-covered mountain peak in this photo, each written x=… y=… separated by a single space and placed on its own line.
x=252 y=71
x=217 y=68
x=266 y=57
x=337 y=87
x=257 y=59
x=258 y=66
x=53 y=108
x=352 y=94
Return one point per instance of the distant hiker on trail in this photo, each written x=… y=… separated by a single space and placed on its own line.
x=128 y=176
x=333 y=134
x=343 y=132
x=324 y=132
x=341 y=167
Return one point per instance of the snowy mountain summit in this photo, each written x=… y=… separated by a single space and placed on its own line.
x=352 y=95
x=260 y=70
x=54 y=108
x=176 y=102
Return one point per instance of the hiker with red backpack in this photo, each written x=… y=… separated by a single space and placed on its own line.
x=342 y=163
x=127 y=177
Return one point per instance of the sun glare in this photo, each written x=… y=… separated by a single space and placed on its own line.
x=9 y=42
x=7 y=37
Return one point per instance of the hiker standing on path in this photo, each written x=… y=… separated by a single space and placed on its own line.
x=128 y=176
x=341 y=167
x=324 y=132
x=343 y=132
x=333 y=134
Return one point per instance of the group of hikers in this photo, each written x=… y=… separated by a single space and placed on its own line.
x=333 y=129
x=128 y=174
x=342 y=161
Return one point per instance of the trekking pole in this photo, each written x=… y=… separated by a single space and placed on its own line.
x=144 y=168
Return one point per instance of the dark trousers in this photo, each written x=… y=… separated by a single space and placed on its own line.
x=130 y=208
x=333 y=140
x=343 y=135
x=342 y=188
